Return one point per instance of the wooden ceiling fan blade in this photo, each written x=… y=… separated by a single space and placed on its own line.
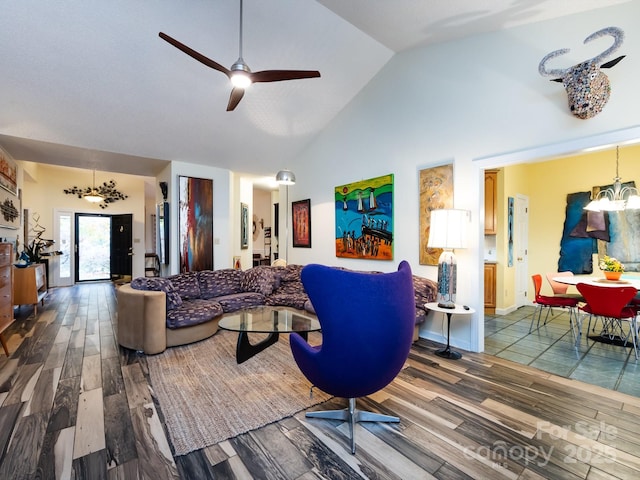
x=192 y=53
x=279 y=75
x=234 y=99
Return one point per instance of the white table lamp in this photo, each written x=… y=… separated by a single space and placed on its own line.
x=448 y=230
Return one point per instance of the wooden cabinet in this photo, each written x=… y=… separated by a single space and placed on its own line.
x=490 y=287
x=30 y=285
x=490 y=202
x=6 y=290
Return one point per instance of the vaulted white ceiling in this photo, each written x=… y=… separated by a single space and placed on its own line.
x=91 y=84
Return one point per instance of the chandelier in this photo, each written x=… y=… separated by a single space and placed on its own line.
x=615 y=198
x=103 y=194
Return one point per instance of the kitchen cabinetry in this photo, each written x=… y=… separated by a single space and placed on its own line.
x=6 y=291
x=490 y=202
x=490 y=287
x=30 y=285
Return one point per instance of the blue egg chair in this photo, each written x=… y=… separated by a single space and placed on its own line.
x=367 y=322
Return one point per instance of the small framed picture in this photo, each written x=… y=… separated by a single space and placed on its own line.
x=301 y=217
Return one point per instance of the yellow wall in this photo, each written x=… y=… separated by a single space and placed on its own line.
x=43 y=192
x=547 y=185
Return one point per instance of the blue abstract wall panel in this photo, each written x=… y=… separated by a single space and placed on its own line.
x=576 y=251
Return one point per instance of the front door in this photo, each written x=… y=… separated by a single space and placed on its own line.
x=103 y=246
x=121 y=246
x=93 y=243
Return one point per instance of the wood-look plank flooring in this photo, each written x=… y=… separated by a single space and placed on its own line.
x=74 y=405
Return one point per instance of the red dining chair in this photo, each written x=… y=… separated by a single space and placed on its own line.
x=560 y=289
x=549 y=302
x=611 y=304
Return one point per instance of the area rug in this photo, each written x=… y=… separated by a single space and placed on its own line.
x=206 y=397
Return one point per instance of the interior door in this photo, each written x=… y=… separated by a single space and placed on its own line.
x=521 y=245
x=121 y=245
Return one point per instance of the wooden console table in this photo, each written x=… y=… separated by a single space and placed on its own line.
x=30 y=285
x=6 y=291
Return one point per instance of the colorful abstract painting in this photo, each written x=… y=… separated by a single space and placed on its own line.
x=364 y=219
x=196 y=224
x=436 y=192
x=301 y=217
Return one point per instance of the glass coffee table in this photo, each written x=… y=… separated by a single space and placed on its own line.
x=266 y=319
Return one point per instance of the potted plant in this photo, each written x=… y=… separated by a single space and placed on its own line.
x=612 y=267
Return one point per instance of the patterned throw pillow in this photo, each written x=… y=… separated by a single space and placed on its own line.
x=258 y=279
x=218 y=283
x=186 y=284
x=158 y=284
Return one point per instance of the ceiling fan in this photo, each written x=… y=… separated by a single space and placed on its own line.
x=240 y=74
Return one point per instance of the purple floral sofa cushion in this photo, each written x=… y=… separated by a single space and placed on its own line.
x=289 y=294
x=424 y=291
x=290 y=273
x=237 y=301
x=218 y=283
x=186 y=284
x=159 y=284
x=193 y=312
x=259 y=279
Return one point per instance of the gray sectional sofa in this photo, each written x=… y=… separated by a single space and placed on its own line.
x=155 y=313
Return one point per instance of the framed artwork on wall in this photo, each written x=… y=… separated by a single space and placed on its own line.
x=364 y=219
x=301 y=217
x=244 y=225
x=8 y=173
x=10 y=209
x=195 y=223
x=436 y=192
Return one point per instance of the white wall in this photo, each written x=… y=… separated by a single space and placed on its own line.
x=469 y=102
x=43 y=190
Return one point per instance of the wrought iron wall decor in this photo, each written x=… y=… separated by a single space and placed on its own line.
x=107 y=190
x=10 y=217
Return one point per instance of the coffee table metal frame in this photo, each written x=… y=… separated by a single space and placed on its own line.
x=266 y=319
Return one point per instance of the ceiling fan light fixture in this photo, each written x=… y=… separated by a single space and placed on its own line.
x=240 y=79
x=240 y=74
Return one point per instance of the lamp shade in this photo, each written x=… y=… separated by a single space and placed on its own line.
x=286 y=177
x=448 y=228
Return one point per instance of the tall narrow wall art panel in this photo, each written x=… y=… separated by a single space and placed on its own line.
x=364 y=219
x=195 y=224
x=436 y=192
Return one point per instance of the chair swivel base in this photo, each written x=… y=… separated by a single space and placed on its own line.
x=353 y=416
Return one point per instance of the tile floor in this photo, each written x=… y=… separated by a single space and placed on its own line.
x=552 y=348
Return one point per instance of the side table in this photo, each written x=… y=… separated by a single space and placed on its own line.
x=459 y=310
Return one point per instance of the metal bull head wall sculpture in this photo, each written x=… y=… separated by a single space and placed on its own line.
x=587 y=86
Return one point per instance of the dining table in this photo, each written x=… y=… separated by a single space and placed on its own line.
x=625 y=280
x=609 y=329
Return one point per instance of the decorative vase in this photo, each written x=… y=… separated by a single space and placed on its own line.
x=612 y=275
